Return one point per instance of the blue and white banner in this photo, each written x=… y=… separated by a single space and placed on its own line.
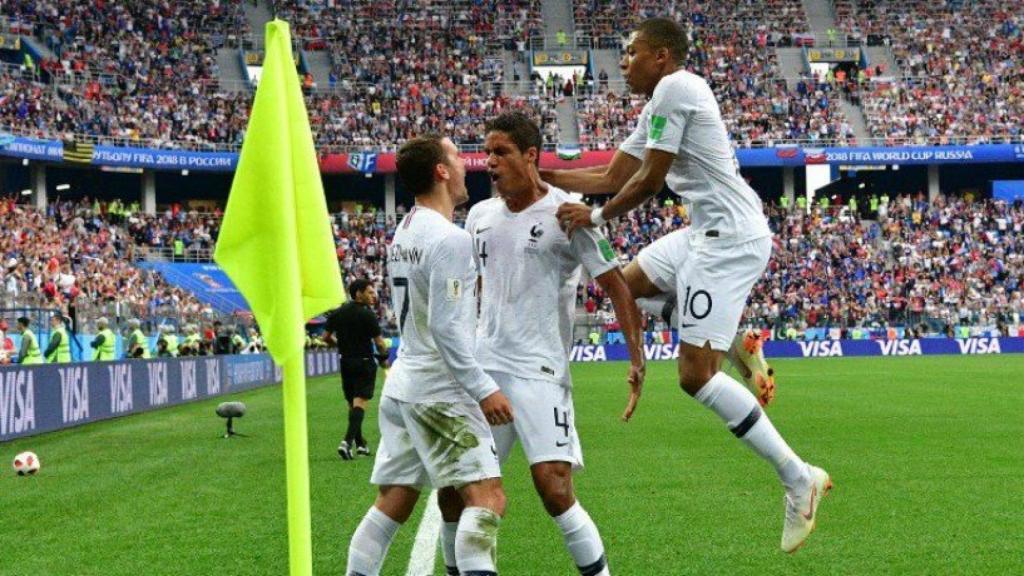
x=822 y=348
x=31 y=148
x=164 y=159
x=860 y=156
x=322 y=362
x=47 y=397
x=373 y=162
x=924 y=155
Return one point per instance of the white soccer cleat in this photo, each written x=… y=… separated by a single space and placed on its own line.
x=345 y=450
x=748 y=355
x=802 y=510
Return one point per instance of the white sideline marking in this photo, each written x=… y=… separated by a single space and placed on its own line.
x=424 y=549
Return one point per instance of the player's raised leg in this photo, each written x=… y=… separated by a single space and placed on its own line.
x=700 y=376
x=746 y=353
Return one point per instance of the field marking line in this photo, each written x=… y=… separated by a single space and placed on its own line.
x=424 y=549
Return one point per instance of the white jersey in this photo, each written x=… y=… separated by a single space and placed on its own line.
x=430 y=264
x=530 y=270
x=683 y=118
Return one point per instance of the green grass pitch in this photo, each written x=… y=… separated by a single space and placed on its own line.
x=927 y=455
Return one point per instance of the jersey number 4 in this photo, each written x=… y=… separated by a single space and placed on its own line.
x=403 y=285
x=481 y=252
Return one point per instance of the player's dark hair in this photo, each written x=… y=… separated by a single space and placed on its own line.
x=416 y=161
x=523 y=132
x=665 y=33
x=358 y=285
x=24 y=321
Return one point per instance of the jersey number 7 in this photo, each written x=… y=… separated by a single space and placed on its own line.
x=403 y=284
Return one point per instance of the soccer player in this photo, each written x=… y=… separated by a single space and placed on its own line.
x=711 y=266
x=529 y=272
x=437 y=401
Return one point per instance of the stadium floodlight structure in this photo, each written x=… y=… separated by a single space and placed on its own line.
x=230 y=411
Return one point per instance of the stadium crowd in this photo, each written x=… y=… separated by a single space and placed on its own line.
x=928 y=267
x=765 y=22
x=80 y=255
x=959 y=71
x=767 y=115
x=130 y=70
x=147 y=72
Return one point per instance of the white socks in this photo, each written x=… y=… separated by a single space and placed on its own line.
x=734 y=404
x=370 y=543
x=583 y=541
x=476 y=542
x=448 y=532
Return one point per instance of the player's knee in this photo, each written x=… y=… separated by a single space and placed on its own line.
x=558 y=500
x=498 y=502
x=554 y=485
x=487 y=493
x=696 y=367
x=397 y=502
x=494 y=500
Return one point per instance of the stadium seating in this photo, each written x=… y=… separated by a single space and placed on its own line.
x=829 y=268
x=80 y=254
x=959 y=76
x=403 y=67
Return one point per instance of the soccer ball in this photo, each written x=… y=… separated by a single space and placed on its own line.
x=26 y=463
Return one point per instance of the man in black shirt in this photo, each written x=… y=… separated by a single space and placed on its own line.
x=354 y=328
x=221 y=343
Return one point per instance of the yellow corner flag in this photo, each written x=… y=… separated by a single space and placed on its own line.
x=276 y=245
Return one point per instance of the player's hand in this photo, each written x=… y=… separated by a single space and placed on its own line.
x=572 y=215
x=497 y=409
x=637 y=373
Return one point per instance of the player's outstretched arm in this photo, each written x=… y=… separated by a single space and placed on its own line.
x=452 y=322
x=644 y=184
x=614 y=284
x=607 y=179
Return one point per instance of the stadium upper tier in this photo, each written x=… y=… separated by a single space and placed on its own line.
x=146 y=73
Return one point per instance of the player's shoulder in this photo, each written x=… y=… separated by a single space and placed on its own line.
x=559 y=196
x=424 y=219
x=680 y=84
x=427 y=228
x=450 y=238
x=547 y=208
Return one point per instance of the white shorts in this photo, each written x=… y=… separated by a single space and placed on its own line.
x=712 y=279
x=436 y=444
x=544 y=421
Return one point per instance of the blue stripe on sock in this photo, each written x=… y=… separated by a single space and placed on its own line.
x=741 y=429
x=595 y=568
